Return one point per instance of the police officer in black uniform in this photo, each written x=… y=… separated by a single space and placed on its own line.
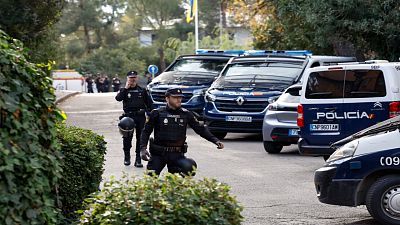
x=135 y=103
x=169 y=124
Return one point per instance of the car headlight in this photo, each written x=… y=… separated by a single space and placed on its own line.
x=345 y=151
x=200 y=92
x=210 y=97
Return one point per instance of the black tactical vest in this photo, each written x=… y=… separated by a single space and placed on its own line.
x=171 y=127
x=134 y=100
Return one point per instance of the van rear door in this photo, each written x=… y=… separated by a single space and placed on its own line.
x=365 y=99
x=323 y=107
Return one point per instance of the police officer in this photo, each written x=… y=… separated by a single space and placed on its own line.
x=169 y=124
x=135 y=104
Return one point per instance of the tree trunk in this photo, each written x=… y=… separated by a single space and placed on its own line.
x=223 y=6
x=162 y=59
x=85 y=30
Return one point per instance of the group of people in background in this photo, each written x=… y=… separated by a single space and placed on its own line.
x=102 y=83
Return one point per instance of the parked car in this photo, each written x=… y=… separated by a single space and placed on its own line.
x=364 y=170
x=193 y=74
x=338 y=101
x=280 y=121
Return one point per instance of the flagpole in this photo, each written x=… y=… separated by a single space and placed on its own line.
x=196 y=25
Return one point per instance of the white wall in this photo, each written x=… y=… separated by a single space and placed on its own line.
x=145 y=39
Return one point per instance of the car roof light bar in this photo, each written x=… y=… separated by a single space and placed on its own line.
x=279 y=52
x=220 y=52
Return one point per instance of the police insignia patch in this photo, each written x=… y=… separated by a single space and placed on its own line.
x=165 y=120
x=129 y=95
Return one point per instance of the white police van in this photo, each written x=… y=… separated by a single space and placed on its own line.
x=365 y=171
x=337 y=101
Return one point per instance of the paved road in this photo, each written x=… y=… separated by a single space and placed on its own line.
x=274 y=189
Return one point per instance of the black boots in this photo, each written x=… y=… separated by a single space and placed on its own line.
x=127 y=158
x=138 y=162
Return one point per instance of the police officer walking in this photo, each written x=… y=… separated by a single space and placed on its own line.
x=135 y=104
x=168 y=147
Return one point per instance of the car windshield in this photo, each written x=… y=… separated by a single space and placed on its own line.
x=207 y=66
x=275 y=75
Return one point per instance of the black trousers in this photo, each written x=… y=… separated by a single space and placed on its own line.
x=90 y=89
x=139 y=125
x=169 y=159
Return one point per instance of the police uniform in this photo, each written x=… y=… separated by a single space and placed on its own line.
x=135 y=104
x=169 y=126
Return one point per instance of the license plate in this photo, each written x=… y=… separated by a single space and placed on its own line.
x=324 y=127
x=246 y=119
x=293 y=132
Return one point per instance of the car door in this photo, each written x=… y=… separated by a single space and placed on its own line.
x=324 y=107
x=365 y=102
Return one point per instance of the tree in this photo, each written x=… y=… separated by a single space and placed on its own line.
x=31 y=22
x=158 y=15
x=366 y=29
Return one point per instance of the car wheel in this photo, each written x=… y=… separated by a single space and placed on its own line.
x=272 y=148
x=383 y=200
x=219 y=135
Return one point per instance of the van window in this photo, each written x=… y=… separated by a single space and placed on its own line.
x=325 y=84
x=364 y=84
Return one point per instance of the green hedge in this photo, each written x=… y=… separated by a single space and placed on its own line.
x=171 y=200
x=83 y=159
x=29 y=157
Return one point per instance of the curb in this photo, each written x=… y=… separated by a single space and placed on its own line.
x=65 y=97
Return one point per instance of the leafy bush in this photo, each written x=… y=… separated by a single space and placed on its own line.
x=82 y=164
x=171 y=200
x=29 y=159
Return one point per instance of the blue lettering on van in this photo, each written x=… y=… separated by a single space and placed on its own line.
x=344 y=115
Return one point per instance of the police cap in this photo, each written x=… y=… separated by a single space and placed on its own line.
x=174 y=92
x=132 y=74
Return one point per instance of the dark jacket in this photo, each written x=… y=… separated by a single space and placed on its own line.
x=158 y=123
x=134 y=99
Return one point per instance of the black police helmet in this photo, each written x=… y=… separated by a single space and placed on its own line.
x=187 y=166
x=126 y=126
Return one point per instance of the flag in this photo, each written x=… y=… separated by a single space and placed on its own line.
x=191 y=12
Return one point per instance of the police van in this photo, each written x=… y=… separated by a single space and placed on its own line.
x=365 y=170
x=340 y=100
x=238 y=99
x=193 y=74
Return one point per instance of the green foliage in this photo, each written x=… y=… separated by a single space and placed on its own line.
x=177 y=47
x=82 y=164
x=362 y=28
x=29 y=156
x=31 y=22
x=171 y=200
x=124 y=57
x=28 y=20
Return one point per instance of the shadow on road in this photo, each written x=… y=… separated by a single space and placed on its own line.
x=364 y=222
x=243 y=138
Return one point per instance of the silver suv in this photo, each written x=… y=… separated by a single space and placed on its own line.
x=280 y=121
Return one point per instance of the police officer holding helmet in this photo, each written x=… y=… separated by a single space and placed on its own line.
x=168 y=147
x=135 y=104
